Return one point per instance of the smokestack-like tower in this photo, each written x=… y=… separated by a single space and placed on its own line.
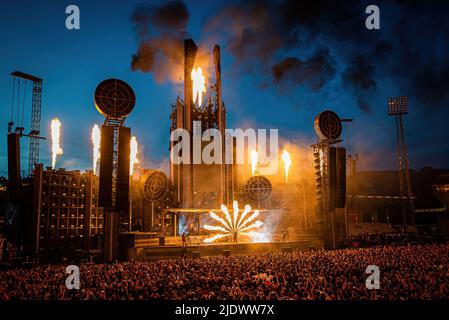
x=200 y=185
x=217 y=61
x=190 y=51
x=221 y=124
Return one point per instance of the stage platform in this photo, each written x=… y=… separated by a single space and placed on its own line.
x=148 y=247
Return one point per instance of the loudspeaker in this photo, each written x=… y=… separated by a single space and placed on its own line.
x=332 y=177
x=341 y=177
x=14 y=181
x=123 y=168
x=106 y=167
x=111 y=222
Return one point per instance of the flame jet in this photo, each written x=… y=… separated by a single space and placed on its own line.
x=133 y=155
x=96 y=139
x=287 y=163
x=56 y=149
x=199 y=87
x=254 y=161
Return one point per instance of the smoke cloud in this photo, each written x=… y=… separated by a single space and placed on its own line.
x=161 y=31
x=314 y=72
x=313 y=43
x=285 y=36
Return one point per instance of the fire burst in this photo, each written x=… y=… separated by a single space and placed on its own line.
x=96 y=138
x=287 y=163
x=254 y=161
x=238 y=224
x=199 y=87
x=55 y=147
x=133 y=155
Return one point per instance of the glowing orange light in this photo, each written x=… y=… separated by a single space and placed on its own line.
x=96 y=138
x=254 y=161
x=287 y=163
x=235 y=225
x=199 y=87
x=55 y=136
x=133 y=155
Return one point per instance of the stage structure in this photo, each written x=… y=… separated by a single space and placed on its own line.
x=66 y=215
x=200 y=185
x=258 y=190
x=330 y=174
x=115 y=100
x=154 y=188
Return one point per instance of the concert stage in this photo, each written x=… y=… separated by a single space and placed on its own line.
x=146 y=246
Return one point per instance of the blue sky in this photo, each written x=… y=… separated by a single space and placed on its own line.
x=72 y=62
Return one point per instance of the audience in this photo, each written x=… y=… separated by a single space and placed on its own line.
x=406 y=272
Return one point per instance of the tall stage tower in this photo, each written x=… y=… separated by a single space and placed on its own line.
x=115 y=100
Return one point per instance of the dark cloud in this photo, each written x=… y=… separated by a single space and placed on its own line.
x=269 y=37
x=360 y=73
x=363 y=106
x=161 y=31
x=314 y=72
x=145 y=59
x=275 y=39
x=280 y=43
x=174 y=15
x=433 y=84
x=360 y=77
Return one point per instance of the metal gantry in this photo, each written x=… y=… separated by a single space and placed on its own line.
x=36 y=106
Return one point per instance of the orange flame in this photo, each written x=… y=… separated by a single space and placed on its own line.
x=287 y=163
x=254 y=161
x=55 y=135
x=133 y=155
x=96 y=138
x=199 y=87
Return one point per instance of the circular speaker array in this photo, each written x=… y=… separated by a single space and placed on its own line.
x=155 y=186
x=258 y=188
x=328 y=125
x=114 y=98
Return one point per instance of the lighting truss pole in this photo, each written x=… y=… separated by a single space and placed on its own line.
x=397 y=107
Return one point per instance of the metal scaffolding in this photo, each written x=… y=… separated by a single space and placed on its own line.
x=36 y=105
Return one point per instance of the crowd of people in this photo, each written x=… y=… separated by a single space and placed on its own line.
x=376 y=239
x=406 y=272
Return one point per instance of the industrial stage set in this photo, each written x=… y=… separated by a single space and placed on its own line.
x=119 y=213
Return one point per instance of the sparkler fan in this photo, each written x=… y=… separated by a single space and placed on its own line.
x=258 y=188
x=114 y=98
x=328 y=125
x=155 y=186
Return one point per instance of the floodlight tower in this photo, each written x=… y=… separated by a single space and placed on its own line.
x=397 y=107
